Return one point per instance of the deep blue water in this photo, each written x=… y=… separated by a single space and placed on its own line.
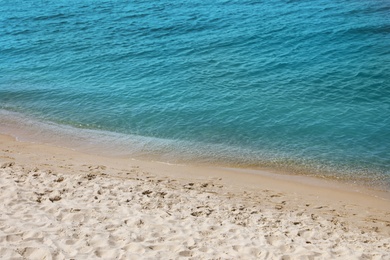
x=298 y=85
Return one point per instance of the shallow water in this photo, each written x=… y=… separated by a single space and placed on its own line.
x=298 y=85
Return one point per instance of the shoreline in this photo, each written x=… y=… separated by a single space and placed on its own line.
x=331 y=182
x=109 y=144
x=149 y=209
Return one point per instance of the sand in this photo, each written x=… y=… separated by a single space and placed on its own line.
x=56 y=203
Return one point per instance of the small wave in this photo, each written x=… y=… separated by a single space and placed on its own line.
x=58 y=16
x=380 y=29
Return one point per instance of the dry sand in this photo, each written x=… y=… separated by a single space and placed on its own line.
x=57 y=203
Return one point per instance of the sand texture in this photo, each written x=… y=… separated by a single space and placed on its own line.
x=61 y=204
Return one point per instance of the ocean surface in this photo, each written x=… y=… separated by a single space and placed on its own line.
x=301 y=86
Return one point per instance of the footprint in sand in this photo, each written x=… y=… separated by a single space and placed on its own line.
x=35 y=253
x=7 y=165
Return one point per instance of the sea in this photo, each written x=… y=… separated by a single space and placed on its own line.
x=298 y=86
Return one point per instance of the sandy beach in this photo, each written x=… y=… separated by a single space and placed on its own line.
x=57 y=203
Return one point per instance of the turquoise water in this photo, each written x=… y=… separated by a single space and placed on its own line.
x=298 y=85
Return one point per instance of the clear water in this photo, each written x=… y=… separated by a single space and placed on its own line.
x=298 y=85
